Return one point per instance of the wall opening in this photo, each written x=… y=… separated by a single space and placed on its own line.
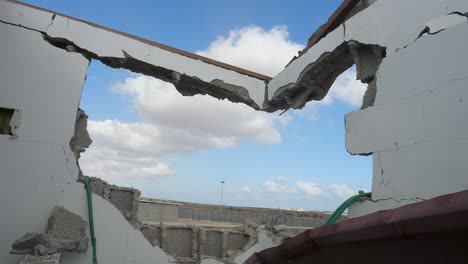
x=5 y=118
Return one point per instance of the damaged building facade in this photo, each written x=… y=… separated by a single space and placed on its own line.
x=412 y=54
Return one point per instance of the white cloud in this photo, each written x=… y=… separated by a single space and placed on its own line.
x=309 y=188
x=204 y=118
x=271 y=186
x=347 y=89
x=281 y=178
x=254 y=48
x=342 y=190
x=247 y=189
x=171 y=124
x=108 y=164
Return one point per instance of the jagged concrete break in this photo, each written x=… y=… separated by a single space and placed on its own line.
x=66 y=231
x=185 y=84
x=313 y=82
x=81 y=139
x=67 y=225
x=367 y=58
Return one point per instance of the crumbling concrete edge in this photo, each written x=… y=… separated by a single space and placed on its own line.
x=185 y=84
x=316 y=79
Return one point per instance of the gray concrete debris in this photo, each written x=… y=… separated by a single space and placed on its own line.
x=66 y=231
x=81 y=139
x=48 y=259
x=64 y=224
x=42 y=244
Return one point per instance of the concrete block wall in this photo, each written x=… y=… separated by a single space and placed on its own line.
x=125 y=199
x=158 y=212
x=153 y=210
x=194 y=243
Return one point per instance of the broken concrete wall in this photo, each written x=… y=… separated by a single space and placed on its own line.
x=39 y=169
x=413 y=118
x=195 y=244
x=416 y=129
x=66 y=231
x=191 y=74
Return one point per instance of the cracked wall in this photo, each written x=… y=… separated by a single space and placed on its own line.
x=39 y=168
x=413 y=119
x=191 y=74
x=416 y=128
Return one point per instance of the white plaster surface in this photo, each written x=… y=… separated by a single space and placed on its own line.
x=421 y=105
x=444 y=22
x=38 y=169
x=366 y=207
x=417 y=129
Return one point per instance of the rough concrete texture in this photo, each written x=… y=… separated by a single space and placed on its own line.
x=210 y=214
x=64 y=224
x=179 y=242
x=213 y=245
x=49 y=259
x=123 y=198
x=81 y=139
x=316 y=79
x=367 y=59
x=370 y=94
x=195 y=244
x=41 y=244
x=153 y=234
x=236 y=241
x=313 y=82
x=66 y=231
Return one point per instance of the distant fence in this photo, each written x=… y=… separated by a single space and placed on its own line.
x=244 y=217
x=155 y=210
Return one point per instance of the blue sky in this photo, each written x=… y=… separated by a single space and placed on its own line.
x=298 y=160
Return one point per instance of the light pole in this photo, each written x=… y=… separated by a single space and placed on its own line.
x=221 y=202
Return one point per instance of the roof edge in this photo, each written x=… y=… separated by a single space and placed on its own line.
x=155 y=44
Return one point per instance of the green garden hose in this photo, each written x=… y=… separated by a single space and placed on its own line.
x=345 y=206
x=90 y=217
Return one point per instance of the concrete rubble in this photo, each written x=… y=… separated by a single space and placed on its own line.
x=66 y=232
x=48 y=259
